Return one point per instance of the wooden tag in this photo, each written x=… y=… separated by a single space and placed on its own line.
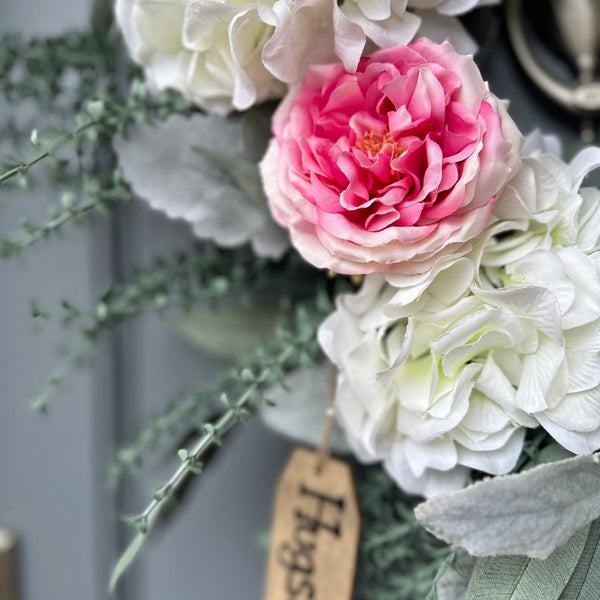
x=315 y=531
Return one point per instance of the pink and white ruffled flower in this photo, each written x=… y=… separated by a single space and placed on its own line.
x=393 y=168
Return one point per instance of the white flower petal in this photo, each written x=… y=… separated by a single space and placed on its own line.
x=582 y=164
x=538 y=143
x=536 y=304
x=438 y=454
x=391 y=31
x=432 y=483
x=574 y=441
x=496 y=462
x=538 y=375
x=589 y=220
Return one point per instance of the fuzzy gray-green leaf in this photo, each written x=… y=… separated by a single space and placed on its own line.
x=227 y=331
x=299 y=408
x=244 y=172
x=529 y=513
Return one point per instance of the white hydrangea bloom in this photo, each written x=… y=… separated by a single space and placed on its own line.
x=450 y=379
x=412 y=381
x=231 y=54
x=209 y=50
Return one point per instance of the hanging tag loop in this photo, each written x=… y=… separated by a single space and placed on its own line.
x=328 y=422
x=316 y=525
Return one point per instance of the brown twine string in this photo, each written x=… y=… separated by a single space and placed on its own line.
x=324 y=449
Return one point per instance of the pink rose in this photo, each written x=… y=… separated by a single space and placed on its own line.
x=390 y=168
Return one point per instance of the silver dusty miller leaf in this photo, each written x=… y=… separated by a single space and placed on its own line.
x=529 y=513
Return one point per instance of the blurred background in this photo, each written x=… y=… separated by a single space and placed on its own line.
x=53 y=491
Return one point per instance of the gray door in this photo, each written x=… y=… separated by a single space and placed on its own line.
x=52 y=490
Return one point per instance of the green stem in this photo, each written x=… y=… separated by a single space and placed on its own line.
x=23 y=168
x=33 y=233
x=293 y=348
x=221 y=426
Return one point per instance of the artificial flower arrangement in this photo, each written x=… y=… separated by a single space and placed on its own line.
x=455 y=293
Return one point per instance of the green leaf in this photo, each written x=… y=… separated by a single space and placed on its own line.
x=585 y=580
x=299 y=408
x=95 y=109
x=529 y=513
x=125 y=560
x=228 y=331
x=523 y=578
x=551 y=453
x=455 y=576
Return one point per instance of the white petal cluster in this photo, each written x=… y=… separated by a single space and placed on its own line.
x=554 y=375
x=209 y=50
x=324 y=31
x=549 y=242
x=440 y=378
x=230 y=54
x=544 y=206
x=411 y=388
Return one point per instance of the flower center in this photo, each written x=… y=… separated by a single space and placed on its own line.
x=372 y=143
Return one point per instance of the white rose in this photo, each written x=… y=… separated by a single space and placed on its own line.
x=209 y=50
x=408 y=390
x=321 y=31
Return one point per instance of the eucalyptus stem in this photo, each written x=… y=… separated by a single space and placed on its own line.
x=99 y=200
x=191 y=463
x=294 y=347
x=34 y=69
x=22 y=168
x=109 y=116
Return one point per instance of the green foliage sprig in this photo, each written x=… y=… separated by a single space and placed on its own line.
x=98 y=199
x=35 y=69
x=107 y=116
x=70 y=358
x=295 y=346
x=398 y=558
x=100 y=191
x=180 y=411
x=171 y=284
